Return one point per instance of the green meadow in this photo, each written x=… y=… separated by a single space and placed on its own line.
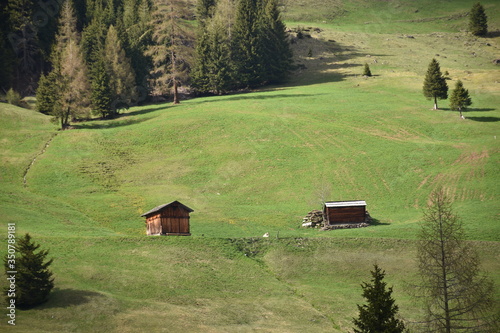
x=258 y=162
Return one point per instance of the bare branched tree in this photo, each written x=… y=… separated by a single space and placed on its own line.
x=458 y=298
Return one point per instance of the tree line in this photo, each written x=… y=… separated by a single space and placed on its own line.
x=103 y=55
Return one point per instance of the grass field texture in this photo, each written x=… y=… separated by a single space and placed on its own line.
x=258 y=162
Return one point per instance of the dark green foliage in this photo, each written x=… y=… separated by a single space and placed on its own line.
x=435 y=86
x=459 y=99
x=478 y=21
x=251 y=52
x=378 y=315
x=366 y=70
x=101 y=96
x=47 y=93
x=34 y=280
x=247 y=45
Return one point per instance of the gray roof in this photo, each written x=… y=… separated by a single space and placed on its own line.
x=157 y=209
x=345 y=203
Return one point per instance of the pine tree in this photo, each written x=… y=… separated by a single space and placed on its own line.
x=460 y=99
x=457 y=297
x=366 y=70
x=435 y=84
x=478 y=21
x=34 y=280
x=378 y=315
x=119 y=71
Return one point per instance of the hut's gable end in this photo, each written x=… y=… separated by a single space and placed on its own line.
x=168 y=219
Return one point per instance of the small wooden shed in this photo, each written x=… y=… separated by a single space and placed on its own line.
x=168 y=219
x=345 y=212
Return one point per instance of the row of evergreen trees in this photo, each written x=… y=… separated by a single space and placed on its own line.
x=99 y=54
x=240 y=44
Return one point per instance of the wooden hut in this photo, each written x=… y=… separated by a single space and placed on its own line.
x=345 y=212
x=168 y=219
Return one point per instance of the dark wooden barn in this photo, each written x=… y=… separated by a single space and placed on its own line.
x=168 y=219
x=345 y=212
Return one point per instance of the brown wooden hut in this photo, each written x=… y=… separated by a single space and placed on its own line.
x=168 y=219
x=345 y=212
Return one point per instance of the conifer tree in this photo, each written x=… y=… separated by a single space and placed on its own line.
x=435 y=86
x=460 y=99
x=457 y=297
x=119 y=70
x=70 y=69
x=277 y=50
x=101 y=97
x=247 y=44
x=378 y=315
x=171 y=51
x=478 y=21
x=366 y=70
x=47 y=93
x=34 y=280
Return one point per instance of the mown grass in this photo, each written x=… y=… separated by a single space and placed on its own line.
x=255 y=163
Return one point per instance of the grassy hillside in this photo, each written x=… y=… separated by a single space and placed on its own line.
x=258 y=162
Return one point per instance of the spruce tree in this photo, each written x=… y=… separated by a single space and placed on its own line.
x=34 y=280
x=378 y=315
x=277 y=51
x=366 y=70
x=435 y=86
x=101 y=96
x=119 y=70
x=47 y=93
x=247 y=44
x=459 y=98
x=478 y=21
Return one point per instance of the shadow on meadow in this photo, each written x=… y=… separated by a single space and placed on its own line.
x=62 y=298
x=121 y=121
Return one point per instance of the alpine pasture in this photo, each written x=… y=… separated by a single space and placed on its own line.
x=258 y=162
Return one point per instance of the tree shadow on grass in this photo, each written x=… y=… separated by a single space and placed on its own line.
x=113 y=123
x=63 y=298
x=484 y=119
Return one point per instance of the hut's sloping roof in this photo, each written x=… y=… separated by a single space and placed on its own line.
x=345 y=203
x=157 y=209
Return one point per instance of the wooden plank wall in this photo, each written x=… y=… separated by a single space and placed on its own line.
x=153 y=225
x=346 y=214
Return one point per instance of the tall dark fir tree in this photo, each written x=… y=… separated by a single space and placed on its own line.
x=378 y=315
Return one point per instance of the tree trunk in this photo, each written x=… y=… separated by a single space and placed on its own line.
x=176 y=93
x=435 y=103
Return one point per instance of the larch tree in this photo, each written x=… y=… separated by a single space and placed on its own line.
x=34 y=280
x=478 y=21
x=457 y=297
x=459 y=98
x=172 y=49
x=435 y=86
x=71 y=69
x=379 y=314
